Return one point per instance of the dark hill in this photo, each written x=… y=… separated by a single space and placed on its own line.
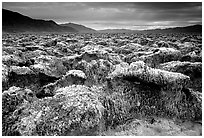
x=16 y=22
x=78 y=27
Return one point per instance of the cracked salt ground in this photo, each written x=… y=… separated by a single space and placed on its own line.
x=156 y=127
x=101 y=84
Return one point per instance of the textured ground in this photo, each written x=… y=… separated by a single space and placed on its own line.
x=102 y=84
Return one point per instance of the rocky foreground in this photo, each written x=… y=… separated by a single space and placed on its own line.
x=101 y=84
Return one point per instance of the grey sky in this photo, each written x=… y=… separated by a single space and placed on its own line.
x=106 y=15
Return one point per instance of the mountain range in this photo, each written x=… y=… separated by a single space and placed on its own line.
x=116 y=31
x=16 y=22
x=78 y=27
x=186 y=29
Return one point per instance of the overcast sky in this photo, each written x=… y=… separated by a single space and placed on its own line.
x=106 y=15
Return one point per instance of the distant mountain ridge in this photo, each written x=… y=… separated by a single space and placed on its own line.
x=16 y=22
x=116 y=31
x=186 y=29
x=78 y=27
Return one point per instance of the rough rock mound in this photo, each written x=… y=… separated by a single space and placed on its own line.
x=12 y=99
x=25 y=77
x=49 y=65
x=5 y=78
x=76 y=77
x=161 y=55
x=74 y=110
x=140 y=71
x=96 y=70
x=155 y=91
x=193 y=70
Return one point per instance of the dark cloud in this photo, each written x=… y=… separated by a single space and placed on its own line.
x=168 y=5
x=100 y=15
